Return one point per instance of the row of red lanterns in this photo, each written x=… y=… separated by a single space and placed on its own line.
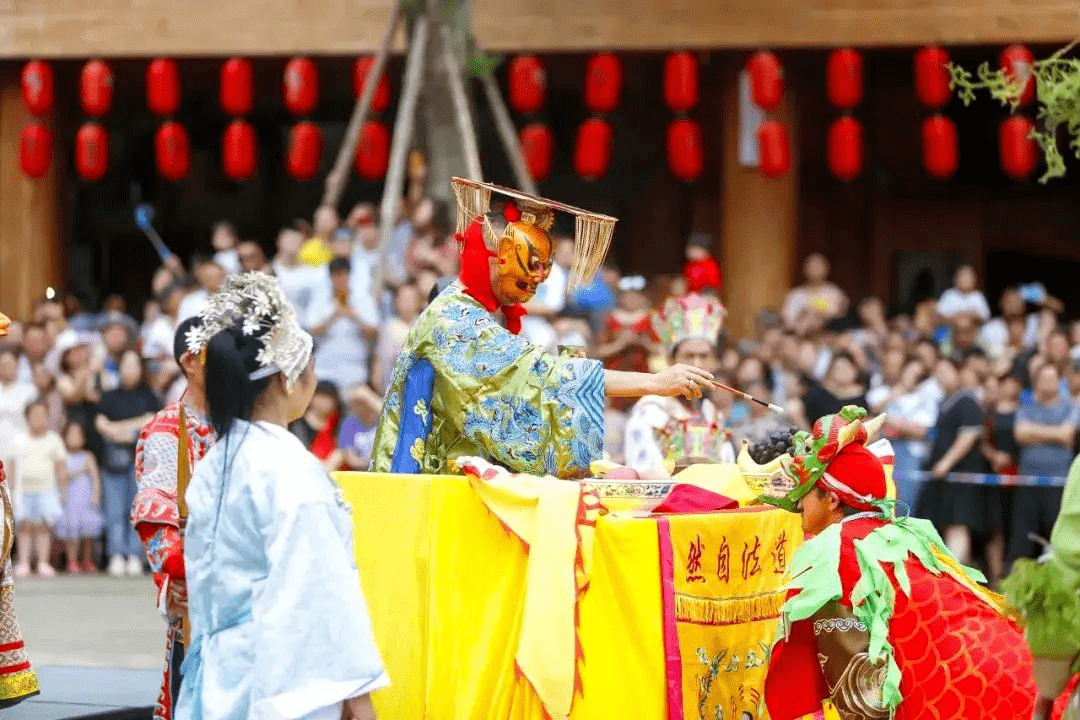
x=527 y=94
x=163 y=87
x=172 y=150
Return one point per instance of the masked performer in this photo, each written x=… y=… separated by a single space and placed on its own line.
x=675 y=430
x=466 y=386
x=17 y=680
x=1047 y=592
x=163 y=453
x=279 y=626
x=880 y=620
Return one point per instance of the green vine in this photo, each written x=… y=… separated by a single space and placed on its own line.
x=1057 y=88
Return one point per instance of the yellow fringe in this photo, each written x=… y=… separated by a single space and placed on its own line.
x=728 y=611
x=18 y=685
x=989 y=597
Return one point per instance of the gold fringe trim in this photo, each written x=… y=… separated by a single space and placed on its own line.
x=18 y=685
x=728 y=611
x=956 y=570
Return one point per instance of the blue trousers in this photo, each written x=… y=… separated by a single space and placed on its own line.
x=118 y=494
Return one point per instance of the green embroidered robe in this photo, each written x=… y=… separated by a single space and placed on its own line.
x=465 y=386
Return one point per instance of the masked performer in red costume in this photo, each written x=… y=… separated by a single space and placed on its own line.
x=169 y=446
x=880 y=620
x=17 y=679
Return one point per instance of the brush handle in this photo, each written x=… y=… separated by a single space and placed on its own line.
x=747 y=396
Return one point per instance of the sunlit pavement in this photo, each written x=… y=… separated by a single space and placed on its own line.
x=97 y=643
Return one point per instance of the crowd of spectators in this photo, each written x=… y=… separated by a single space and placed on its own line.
x=968 y=391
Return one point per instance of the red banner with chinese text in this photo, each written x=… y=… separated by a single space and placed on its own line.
x=722 y=576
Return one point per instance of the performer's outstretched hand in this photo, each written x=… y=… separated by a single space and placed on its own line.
x=685 y=380
x=358 y=708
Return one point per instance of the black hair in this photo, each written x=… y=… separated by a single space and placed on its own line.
x=440 y=285
x=179 y=346
x=327 y=387
x=441 y=219
x=701 y=240
x=845 y=509
x=973 y=352
x=339 y=264
x=230 y=391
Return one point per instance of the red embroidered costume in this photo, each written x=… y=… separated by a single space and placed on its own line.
x=880 y=620
x=156 y=518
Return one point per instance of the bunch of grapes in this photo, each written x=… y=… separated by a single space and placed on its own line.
x=772 y=447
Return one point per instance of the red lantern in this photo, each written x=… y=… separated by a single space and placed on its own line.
x=237 y=89
x=932 y=77
x=686 y=156
x=844 y=78
x=1019 y=152
x=305 y=151
x=538 y=146
x=1017 y=62
x=941 y=155
x=592 y=151
x=96 y=88
x=361 y=69
x=845 y=148
x=37 y=87
x=91 y=151
x=172 y=151
x=773 y=152
x=35 y=149
x=301 y=86
x=681 y=81
x=373 y=151
x=239 y=150
x=603 y=82
x=163 y=87
x=766 y=80
x=528 y=84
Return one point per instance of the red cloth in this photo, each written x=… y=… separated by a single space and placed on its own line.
x=325 y=441
x=958 y=658
x=702 y=274
x=692 y=499
x=861 y=472
x=475 y=275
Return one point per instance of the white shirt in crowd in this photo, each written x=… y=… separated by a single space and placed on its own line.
x=298 y=282
x=953 y=302
x=159 y=337
x=192 y=304
x=341 y=354
x=228 y=259
x=13 y=401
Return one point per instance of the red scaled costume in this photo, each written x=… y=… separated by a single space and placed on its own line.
x=880 y=620
x=156 y=517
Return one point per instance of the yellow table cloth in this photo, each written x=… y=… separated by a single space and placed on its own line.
x=445 y=584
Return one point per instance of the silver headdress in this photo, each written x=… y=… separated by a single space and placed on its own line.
x=255 y=300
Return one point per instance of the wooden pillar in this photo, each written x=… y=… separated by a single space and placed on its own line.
x=31 y=244
x=759 y=219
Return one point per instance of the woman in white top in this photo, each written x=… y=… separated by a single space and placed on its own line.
x=279 y=626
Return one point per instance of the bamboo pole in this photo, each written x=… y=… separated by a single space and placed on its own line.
x=399 y=148
x=505 y=125
x=461 y=107
x=336 y=179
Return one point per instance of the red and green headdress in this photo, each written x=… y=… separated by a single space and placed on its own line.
x=835 y=455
